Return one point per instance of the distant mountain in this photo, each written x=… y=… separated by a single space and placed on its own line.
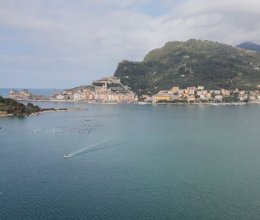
x=249 y=46
x=191 y=63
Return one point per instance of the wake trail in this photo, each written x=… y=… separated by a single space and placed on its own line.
x=89 y=147
x=102 y=147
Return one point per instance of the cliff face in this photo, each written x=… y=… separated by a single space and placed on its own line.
x=191 y=63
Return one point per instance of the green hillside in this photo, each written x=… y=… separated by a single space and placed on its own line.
x=192 y=63
x=10 y=106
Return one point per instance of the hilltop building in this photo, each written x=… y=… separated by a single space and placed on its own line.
x=104 y=90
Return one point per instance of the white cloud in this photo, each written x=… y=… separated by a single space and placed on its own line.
x=94 y=35
x=229 y=21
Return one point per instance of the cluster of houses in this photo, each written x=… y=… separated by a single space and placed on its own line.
x=201 y=95
x=111 y=90
x=104 y=90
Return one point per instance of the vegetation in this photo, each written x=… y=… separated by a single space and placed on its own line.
x=233 y=98
x=10 y=106
x=192 y=63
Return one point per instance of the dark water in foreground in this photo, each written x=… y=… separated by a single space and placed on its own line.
x=132 y=162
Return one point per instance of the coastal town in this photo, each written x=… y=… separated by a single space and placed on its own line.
x=111 y=90
x=104 y=90
x=201 y=95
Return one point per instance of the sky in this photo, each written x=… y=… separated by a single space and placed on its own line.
x=66 y=43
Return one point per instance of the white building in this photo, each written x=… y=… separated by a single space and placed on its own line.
x=219 y=98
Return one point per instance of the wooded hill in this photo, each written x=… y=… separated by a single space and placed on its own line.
x=12 y=107
x=192 y=63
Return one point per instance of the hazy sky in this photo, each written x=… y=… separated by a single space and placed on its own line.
x=65 y=43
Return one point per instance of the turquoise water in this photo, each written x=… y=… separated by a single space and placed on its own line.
x=132 y=162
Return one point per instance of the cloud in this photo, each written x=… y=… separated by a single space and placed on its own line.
x=229 y=21
x=84 y=40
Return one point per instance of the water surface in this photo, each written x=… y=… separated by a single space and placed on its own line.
x=132 y=162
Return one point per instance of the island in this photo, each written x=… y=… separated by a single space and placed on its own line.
x=11 y=107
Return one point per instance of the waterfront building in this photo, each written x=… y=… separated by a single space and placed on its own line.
x=175 y=89
x=191 y=99
x=162 y=96
x=218 y=98
x=225 y=93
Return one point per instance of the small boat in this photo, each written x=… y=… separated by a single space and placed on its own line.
x=66 y=156
x=143 y=103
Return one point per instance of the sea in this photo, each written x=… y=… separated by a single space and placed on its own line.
x=130 y=161
x=4 y=92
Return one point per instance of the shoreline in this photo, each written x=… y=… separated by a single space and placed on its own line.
x=80 y=109
x=54 y=110
x=210 y=103
x=71 y=101
x=41 y=112
x=6 y=115
x=137 y=103
x=143 y=103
